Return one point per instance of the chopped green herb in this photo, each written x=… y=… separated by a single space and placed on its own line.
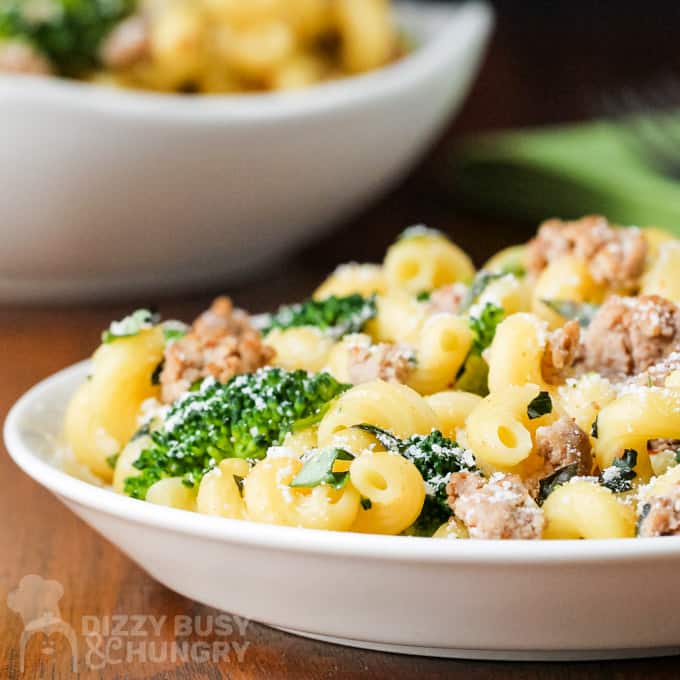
x=174 y=330
x=548 y=484
x=131 y=325
x=336 y=316
x=677 y=456
x=484 y=327
x=424 y=295
x=473 y=376
x=156 y=375
x=539 y=406
x=112 y=460
x=514 y=268
x=583 y=312
x=618 y=476
x=646 y=508
x=318 y=469
x=366 y=503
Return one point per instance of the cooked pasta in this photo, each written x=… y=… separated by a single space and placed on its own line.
x=201 y=46
x=537 y=398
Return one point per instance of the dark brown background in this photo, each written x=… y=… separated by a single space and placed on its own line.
x=547 y=64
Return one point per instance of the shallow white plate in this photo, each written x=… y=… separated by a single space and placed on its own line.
x=471 y=599
x=107 y=192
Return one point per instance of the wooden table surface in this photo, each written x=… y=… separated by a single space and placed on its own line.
x=542 y=67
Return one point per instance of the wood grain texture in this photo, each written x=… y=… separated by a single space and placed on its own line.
x=541 y=69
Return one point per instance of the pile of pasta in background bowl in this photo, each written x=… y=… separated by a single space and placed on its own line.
x=537 y=398
x=198 y=46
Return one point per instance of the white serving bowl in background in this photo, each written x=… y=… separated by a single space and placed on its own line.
x=106 y=192
x=471 y=599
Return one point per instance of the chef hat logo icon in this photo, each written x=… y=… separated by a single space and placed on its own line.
x=36 y=600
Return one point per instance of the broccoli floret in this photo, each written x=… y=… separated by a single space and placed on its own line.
x=436 y=458
x=239 y=419
x=67 y=32
x=334 y=315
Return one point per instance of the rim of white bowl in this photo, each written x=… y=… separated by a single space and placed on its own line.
x=310 y=541
x=468 y=23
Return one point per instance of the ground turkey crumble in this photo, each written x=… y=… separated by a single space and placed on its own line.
x=221 y=343
x=615 y=257
x=19 y=57
x=660 y=515
x=447 y=298
x=384 y=361
x=628 y=335
x=562 y=349
x=656 y=446
x=559 y=444
x=497 y=507
x=127 y=44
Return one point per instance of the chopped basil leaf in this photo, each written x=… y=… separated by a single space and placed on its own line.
x=583 y=312
x=174 y=330
x=424 y=295
x=539 y=406
x=594 y=428
x=131 y=325
x=141 y=432
x=617 y=477
x=318 y=469
x=156 y=375
x=514 y=268
x=112 y=460
x=643 y=516
x=366 y=503
x=548 y=484
x=387 y=439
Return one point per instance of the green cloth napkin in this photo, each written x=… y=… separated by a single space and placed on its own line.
x=565 y=171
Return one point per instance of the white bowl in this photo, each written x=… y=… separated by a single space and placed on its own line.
x=107 y=192
x=473 y=599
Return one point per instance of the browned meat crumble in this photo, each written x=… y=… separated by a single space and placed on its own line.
x=19 y=57
x=221 y=343
x=391 y=363
x=497 y=507
x=660 y=515
x=561 y=351
x=559 y=444
x=628 y=335
x=615 y=257
x=128 y=43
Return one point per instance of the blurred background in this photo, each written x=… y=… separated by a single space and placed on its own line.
x=604 y=70
x=548 y=64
